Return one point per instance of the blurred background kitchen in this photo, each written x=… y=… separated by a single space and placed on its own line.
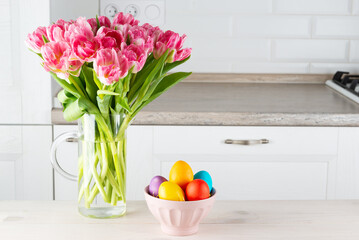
x=281 y=50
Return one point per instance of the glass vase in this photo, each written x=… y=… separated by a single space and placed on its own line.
x=101 y=164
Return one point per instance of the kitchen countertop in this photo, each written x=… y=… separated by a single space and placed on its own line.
x=302 y=220
x=247 y=104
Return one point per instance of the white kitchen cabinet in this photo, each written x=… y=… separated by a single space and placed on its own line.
x=297 y=163
x=25 y=170
x=347 y=165
x=25 y=87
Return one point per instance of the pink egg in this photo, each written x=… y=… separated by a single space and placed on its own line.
x=155 y=183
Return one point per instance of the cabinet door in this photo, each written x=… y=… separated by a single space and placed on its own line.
x=298 y=162
x=10 y=86
x=139 y=163
x=25 y=87
x=347 y=174
x=25 y=169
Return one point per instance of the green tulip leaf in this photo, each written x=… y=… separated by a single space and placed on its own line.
x=73 y=111
x=106 y=92
x=169 y=66
x=91 y=87
x=166 y=83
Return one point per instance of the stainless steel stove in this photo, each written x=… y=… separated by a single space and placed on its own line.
x=346 y=84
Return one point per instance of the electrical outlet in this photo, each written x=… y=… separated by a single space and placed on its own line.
x=132 y=9
x=111 y=10
x=146 y=11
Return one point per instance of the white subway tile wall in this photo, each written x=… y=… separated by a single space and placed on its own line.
x=356 y=7
x=268 y=36
x=312 y=6
x=310 y=50
x=354 y=51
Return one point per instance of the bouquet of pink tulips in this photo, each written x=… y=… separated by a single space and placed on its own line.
x=107 y=68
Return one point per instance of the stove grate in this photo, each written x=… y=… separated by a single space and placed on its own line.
x=347 y=81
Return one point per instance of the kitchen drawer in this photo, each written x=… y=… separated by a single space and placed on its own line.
x=210 y=140
x=263 y=180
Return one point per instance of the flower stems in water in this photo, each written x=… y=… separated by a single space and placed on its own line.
x=102 y=165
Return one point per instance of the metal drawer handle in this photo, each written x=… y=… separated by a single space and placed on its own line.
x=247 y=142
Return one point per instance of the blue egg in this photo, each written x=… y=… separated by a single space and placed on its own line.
x=204 y=175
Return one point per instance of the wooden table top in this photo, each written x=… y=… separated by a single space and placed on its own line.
x=289 y=220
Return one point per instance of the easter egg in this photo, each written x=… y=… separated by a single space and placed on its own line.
x=155 y=183
x=197 y=190
x=171 y=191
x=204 y=175
x=181 y=173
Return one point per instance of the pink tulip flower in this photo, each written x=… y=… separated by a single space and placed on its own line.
x=153 y=32
x=123 y=29
x=110 y=38
x=55 y=33
x=109 y=67
x=56 y=59
x=84 y=49
x=82 y=40
x=173 y=42
x=136 y=57
x=104 y=22
x=121 y=19
x=139 y=36
x=77 y=28
x=35 y=41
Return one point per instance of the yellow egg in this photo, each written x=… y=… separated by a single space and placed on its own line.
x=170 y=191
x=181 y=173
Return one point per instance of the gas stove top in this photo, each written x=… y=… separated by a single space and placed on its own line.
x=345 y=83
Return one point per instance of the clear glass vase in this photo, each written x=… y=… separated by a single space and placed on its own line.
x=101 y=165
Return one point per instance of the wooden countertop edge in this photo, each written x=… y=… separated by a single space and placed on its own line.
x=258 y=78
x=233 y=119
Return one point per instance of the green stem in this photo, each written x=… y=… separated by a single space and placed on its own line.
x=72 y=80
x=98 y=181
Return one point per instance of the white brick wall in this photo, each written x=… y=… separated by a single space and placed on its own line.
x=268 y=36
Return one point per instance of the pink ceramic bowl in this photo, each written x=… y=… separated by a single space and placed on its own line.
x=179 y=218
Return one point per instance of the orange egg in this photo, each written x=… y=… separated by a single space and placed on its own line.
x=181 y=173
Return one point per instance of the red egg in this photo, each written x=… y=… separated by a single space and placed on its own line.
x=197 y=190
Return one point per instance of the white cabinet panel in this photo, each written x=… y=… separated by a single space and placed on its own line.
x=25 y=167
x=37 y=171
x=210 y=140
x=35 y=81
x=10 y=139
x=347 y=168
x=263 y=180
x=7 y=180
x=139 y=161
x=25 y=87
